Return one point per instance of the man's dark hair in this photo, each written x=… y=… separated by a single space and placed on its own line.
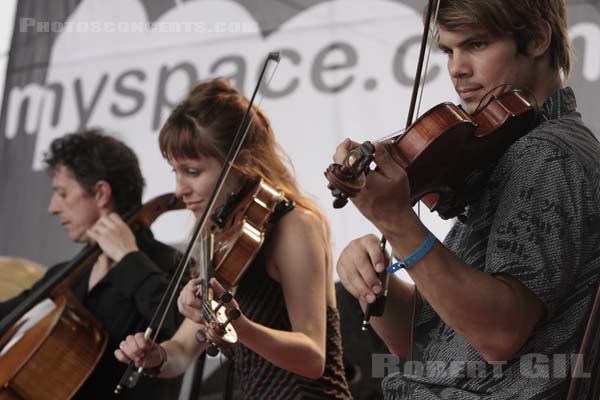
x=91 y=156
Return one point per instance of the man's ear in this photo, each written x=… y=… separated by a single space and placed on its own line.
x=540 y=43
x=103 y=194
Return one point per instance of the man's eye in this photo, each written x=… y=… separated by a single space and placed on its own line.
x=192 y=172
x=478 y=45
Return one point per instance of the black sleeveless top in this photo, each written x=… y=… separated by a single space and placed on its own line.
x=261 y=300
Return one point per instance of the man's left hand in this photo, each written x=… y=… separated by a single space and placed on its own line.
x=114 y=237
x=385 y=200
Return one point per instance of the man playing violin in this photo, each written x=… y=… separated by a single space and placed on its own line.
x=509 y=290
x=95 y=178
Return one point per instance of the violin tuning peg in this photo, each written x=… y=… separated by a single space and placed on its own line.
x=340 y=202
x=225 y=298
x=232 y=315
x=212 y=350
x=368 y=147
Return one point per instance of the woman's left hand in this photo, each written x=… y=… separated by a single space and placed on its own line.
x=189 y=301
x=219 y=290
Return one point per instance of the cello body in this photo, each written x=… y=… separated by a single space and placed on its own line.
x=53 y=358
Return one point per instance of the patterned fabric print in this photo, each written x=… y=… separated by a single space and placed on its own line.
x=261 y=300
x=538 y=219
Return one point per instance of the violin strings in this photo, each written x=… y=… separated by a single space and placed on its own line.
x=391 y=135
x=205 y=270
x=489 y=96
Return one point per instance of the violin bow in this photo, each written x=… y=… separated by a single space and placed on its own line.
x=377 y=308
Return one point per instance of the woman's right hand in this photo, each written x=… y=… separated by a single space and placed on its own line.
x=189 y=301
x=134 y=347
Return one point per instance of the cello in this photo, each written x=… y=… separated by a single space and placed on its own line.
x=60 y=350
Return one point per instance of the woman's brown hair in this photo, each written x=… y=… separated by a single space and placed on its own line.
x=205 y=124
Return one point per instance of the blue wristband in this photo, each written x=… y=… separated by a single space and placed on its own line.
x=414 y=257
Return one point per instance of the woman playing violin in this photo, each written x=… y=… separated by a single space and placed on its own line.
x=515 y=276
x=289 y=343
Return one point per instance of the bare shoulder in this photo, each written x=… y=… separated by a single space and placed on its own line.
x=299 y=223
x=298 y=238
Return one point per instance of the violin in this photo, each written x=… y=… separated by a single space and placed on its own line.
x=441 y=152
x=240 y=226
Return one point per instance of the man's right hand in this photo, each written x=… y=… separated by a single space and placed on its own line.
x=134 y=348
x=358 y=266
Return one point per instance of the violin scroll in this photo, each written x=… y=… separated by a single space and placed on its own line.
x=348 y=179
x=218 y=333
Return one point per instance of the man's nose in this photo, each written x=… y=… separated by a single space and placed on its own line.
x=53 y=206
x=459 y=65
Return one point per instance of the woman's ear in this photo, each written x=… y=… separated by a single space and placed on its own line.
x=103 y=195
x=540 y=43
x=243 y=157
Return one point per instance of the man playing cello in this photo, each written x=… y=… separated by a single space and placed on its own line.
x=95 y=178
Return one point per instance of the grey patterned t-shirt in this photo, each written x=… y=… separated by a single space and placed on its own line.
x=537 y=219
